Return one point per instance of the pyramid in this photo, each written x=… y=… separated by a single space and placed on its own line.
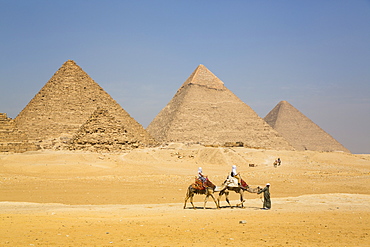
x=300 y=131
x=203 y=110
x=11 y=138
x=103 y=132
x=65 y=102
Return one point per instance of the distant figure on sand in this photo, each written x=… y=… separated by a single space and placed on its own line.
x=266 y=196
x=277 y=162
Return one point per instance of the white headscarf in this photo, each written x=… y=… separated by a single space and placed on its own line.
x=233 y=170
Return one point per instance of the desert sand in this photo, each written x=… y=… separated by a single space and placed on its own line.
x=136 y=198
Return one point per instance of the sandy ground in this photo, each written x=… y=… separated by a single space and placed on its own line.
x=50 y=198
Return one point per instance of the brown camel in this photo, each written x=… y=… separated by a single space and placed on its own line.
x=240 y=190
x=207 y=188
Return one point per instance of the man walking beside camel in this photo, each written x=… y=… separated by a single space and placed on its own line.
x=266 y=196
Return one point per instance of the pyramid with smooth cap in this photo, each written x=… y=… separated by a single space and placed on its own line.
x=300 y=131
x=66 y=102
x=204 y=111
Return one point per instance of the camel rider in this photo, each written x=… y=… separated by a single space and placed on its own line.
x=234 y=174
x=233 y=171
x=232 y=177
x=201 y=177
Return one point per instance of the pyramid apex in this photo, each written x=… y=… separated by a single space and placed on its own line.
x=204 y=77
x=70 y=61
x=69 y=64
x=284 y=104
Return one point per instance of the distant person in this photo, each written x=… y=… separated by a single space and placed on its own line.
x=266 y=197
x=277 y=162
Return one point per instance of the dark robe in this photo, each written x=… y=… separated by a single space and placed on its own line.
x=266 y=197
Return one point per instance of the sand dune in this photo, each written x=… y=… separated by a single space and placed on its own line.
x=51 y=198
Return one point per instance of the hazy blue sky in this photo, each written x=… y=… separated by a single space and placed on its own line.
x=313 y=54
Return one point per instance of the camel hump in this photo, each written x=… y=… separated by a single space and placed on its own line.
x=232 y=182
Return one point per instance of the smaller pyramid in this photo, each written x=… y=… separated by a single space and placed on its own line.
x=300 y=131
x=103 y=132
x=11 y=138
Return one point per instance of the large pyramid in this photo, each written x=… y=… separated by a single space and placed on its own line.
x=204 y=110
x=300 y=131
x=66 y=102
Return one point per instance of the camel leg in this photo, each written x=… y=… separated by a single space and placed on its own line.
x=241 y=198
x=205 y=201
x=186 y=199
x=214 y=199
x=227 y=199
x=191 y=201
x=188 y=195
x=219 y=198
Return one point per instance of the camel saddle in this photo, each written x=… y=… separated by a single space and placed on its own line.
x=198 y=184
x=243 y=184
x=233 y=182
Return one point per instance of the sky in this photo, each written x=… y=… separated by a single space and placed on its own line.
x=314 y=54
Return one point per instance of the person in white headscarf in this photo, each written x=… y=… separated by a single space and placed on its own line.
x=233 y=171
x=233 y=179
x=266 y=197
x=200 y=175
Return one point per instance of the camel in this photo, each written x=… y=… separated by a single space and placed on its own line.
x=197 y=188
x=243 y=186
